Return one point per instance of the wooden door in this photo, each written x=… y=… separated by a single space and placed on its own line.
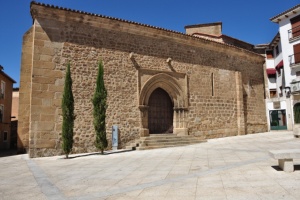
x=160 y=113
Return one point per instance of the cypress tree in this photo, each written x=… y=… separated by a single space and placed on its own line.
x=68 y=114
x=99 y=102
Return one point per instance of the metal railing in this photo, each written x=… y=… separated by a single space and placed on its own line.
x=294 y=59
x=294 y=32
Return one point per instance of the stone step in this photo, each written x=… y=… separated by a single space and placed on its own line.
x=163 y=141
x=177 y=138
x=149 y=143
x=164 y=146
x=170 y=138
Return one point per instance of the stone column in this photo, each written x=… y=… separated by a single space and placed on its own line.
x=144 y=131
x=239 y=104
x=179 y=122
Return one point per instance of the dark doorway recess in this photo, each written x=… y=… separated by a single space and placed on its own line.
x=160 y=112
x=278 y=120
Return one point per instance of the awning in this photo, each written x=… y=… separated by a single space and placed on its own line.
x=280 y=65
x=271 y=71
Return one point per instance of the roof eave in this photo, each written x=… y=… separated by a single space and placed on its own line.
x=285 y=14
x=8 y=77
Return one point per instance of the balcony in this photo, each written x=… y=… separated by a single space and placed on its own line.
x=294 y=60
x=294 y=33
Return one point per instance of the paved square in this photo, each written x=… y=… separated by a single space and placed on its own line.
x=226 y=168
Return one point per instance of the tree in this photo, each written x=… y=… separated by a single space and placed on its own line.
x=68 y=114
x=99 y=102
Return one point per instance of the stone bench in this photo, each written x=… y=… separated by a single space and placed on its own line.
x=285 y=158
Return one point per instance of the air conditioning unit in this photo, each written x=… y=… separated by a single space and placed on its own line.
x=295 y=87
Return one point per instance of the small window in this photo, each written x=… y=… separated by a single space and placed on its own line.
x=269 y=54
x=2 y=90
x=5 y=136
x=273 y=93
x=298 y=73
x=1 y=113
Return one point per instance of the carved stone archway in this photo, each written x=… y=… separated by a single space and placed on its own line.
x=177 y=90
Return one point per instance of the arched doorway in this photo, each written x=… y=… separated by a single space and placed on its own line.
x=297 y=113
x=160 y=113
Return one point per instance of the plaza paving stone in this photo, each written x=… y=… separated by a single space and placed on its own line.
x=236 y=167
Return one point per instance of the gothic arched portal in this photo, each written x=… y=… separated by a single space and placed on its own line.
x=163 y=104
x=160 y=112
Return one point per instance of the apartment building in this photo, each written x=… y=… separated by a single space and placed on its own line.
x=5 y=108
x=283 y=72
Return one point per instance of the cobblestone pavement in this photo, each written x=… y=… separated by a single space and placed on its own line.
x=226 y=168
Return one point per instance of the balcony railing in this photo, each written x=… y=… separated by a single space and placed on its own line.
x=294 y=59
x=294 y=32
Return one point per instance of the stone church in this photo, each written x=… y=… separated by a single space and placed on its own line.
x=158 y=80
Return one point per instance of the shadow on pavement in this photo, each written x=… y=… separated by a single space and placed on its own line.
x=8 y=152
x=105 y=154
x=296 y=168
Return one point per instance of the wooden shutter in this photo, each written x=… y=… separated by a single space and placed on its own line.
x=296 y=26
x=297 y=53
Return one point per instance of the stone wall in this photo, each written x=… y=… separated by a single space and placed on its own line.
x=210 y=29
x=223 y=84
x=25 y=92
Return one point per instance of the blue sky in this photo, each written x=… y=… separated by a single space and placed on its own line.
x=244 y=20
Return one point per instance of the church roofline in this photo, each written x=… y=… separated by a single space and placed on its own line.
x=136 y=23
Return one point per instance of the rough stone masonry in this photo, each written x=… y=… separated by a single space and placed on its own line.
x=157 y=80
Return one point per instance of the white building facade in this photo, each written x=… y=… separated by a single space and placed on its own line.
x=283 y=72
